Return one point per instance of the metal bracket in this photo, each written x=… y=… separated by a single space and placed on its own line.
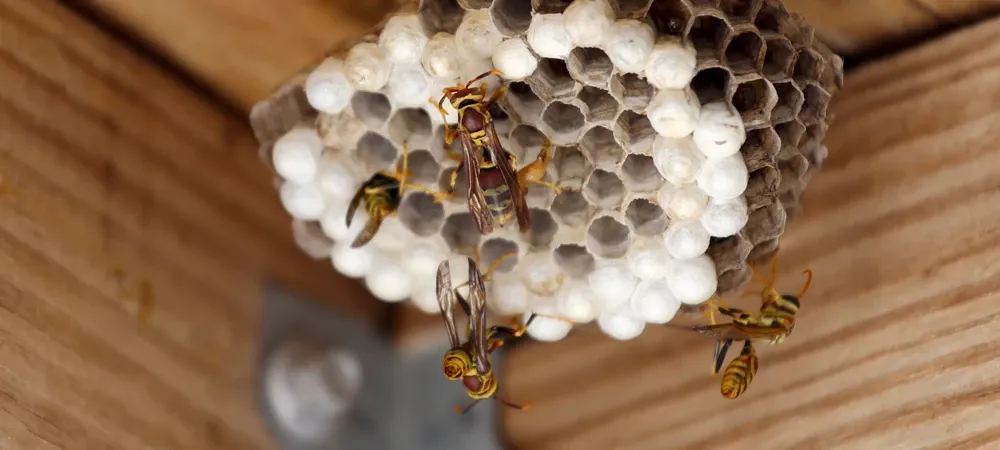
x=401 y=401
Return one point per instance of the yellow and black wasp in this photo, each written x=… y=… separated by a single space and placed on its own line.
x=381 y=196
x=495 y=191
x=775 y=322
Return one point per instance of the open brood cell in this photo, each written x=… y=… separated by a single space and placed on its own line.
x=683 y=133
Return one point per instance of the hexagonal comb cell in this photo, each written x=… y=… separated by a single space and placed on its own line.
x=754 y=98
x=768 y=223
x=640 y=174
x=511 y=17
x=375 y=152
x=745 y=51
x=778 y=57
x=460 y=233
x=711 y=84
x=475 y=4
x=607 y=238
x=423 y=168
x=604 y=189
x=632 y=9
x=550 y=6
x=789 y=102
x=372 y=108
x=571 y=168
x=808 y=66
x=543 y=229
x=763 y=252
x=814 y=106
x=670 y=17
x=600 y=147
x=525 y=137
x=571 y=209
x=421 y=214
x=411 y=125
x=646 y=217
x=635 y=131
x=564 y=122
x=521 y=103
x=790 y=133
x=740 y=11
x=734 y=278
x=793 y=168
x=728 y=253
x=440 y=15
x=461 y=184
x=632 y=91
x=493 y=249
x=762 y=186
x=551 y=80
x=601 y=106
x=760 y=148
x=771 y=17
x=590 y=66
x=445 y=152
x=708 y=34
x=574 y=260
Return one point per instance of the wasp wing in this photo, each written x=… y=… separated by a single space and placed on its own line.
x=355 y=203
x=477 y=318
x=368 y=232
x=719 y=354
x=736 y=332
x=501 y=159
x=446 y=301
x=477 y=204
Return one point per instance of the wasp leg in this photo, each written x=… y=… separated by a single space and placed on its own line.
x=496 y=96
x=459 y=410
x=497 y=72
x=534 y=172
x=809 y=278
x=489 y=271
x=511 y=404
x=454 y=176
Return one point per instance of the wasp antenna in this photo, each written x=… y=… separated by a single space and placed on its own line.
x=496 y=263
x=459 y=410
x=511 y=404
x=759 y=277
x=774 y=270
x=809 y=277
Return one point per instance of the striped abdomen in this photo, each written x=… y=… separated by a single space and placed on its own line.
x=497 y=194
x=740 y=372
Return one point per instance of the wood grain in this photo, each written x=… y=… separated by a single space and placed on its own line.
x=896 y=345
x=244 y=49
x=123 y=190
x=853 y=26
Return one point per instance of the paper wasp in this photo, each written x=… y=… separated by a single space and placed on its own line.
x=469 y=361
x=381 y=196
x=775 y=322
x=495 y=191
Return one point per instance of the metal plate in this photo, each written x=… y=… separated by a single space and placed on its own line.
x=404 y=402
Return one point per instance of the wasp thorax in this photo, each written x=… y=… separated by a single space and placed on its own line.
x=456 y=364
x=481 y=386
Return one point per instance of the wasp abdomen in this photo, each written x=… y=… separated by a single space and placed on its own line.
x=497 y=195
x=740 y=372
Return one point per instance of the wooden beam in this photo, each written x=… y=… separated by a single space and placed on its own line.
x=127 y=195
x=896 y=344
x=244 y=49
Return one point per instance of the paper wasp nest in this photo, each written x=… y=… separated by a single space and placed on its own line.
x=685 y=132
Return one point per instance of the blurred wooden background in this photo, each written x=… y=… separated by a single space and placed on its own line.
x=131 y=184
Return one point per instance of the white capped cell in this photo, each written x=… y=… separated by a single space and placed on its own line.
x=628 y=43
x=540 y=274
x=336 y=179
x=387 y=281
x=402 y=40
x=694 y=280
x=588 y=21
x=408 y=86
x=296 y=154
x=674 y=113
x=720 y=131
x=514 y=59
x=671 y=64
x=303 y=201
x=366 y=68
x=621 y=323
x=724 y=178
x=724 y=218
x=649 y=259
x=352 y=262
x=440 y=58
x=577 y=302
x=422 y=258
x=613 y=282
x=678 y=160
x=653 y=302
x=683 y=203
x=686 y=240
x=476 y=37
x=327 y=88
x=548 y=37
x=509 y=295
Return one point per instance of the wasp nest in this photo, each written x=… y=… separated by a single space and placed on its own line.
x=685 y=132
